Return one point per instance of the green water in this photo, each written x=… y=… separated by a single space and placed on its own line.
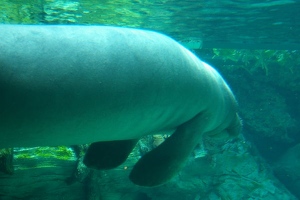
x=250 y=24
x=254 y=44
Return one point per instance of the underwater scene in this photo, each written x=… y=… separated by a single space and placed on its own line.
x=149 y=100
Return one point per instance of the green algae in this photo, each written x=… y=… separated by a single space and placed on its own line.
x=59 y=152
x=254 y=60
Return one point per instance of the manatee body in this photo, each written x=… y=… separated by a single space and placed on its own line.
x=109 y=86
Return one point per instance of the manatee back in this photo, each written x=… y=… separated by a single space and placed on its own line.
x=58 y=82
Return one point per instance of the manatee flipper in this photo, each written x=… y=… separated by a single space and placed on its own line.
x=162 y=163
x=109 y=154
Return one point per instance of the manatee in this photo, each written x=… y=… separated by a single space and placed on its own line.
x=109 y=86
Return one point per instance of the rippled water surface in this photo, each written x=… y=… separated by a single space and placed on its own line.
x=251 y=24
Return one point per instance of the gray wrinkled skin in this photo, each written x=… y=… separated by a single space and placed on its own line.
x=79 y=84
x=65 y=85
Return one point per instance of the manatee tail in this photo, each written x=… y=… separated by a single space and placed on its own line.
x=235 y=127
x=162 y=163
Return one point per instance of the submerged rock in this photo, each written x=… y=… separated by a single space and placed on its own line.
x=227 y=171
x=219 y=169
x=42 y=173
x=287 y=169
x=6 y=161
